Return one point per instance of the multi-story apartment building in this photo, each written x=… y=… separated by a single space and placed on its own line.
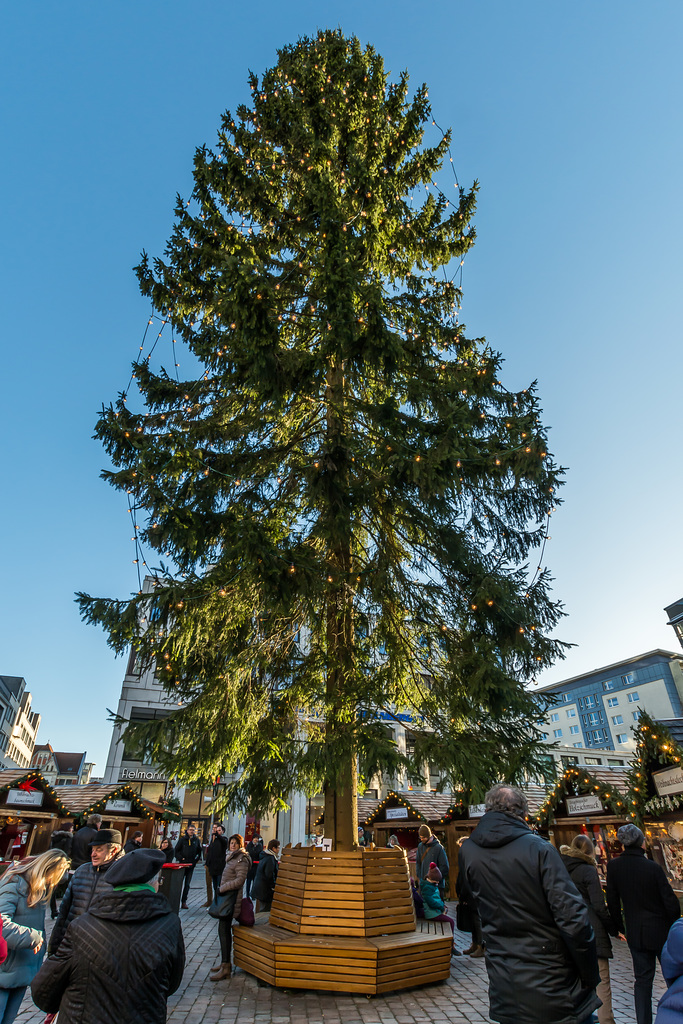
x=60 y=768
x=597 y=710
x=675 y=613
x=18 y=723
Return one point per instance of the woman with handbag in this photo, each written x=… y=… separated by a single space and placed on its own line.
x=228 y=903
x=25 y=891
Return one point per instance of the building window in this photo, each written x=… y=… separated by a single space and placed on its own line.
x=636 y=714
x=573 y=730
x=617 y=719
x=608 y=684
x=598 y=735
x=622 y=737
x=615 y=763
x=544 y=735
x=568 y=759
x=589 y=702
x=593 y=718
x=565 y=697
x=571 y=712
x=633 y=697
x=555 y=717
x=629 y=679
x=578 y=744
x=593 y=760
x=612 y=702
x=557 y=733
x=580 y=702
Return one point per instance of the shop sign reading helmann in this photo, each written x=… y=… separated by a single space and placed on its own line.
x=669 y=781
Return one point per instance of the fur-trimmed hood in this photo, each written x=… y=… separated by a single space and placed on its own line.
x=587 y=858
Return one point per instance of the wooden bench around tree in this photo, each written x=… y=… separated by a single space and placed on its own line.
x=344 y=922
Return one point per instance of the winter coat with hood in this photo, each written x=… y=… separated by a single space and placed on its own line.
x=80 y=846
x=432 y=852
x=670 y=1009
x=119 y=961
x=650 y=904
x=540 y=949
x=22 y=929
x=86 y=883
x=237 y=865
x=263 y=888
x=584 y=875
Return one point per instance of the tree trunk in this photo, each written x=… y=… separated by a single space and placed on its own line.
x=341 y=811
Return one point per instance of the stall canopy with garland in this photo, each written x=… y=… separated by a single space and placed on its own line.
x=30 y=810
x=120 y=806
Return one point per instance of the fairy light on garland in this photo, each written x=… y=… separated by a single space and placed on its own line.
x=36 y=776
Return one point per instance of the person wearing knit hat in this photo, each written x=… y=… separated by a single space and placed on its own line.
x=644 y=907
x=430 y=849
x=129 y=940
x=433 y=906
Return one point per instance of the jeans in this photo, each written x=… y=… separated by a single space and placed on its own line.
x=186 y=886
x=604 y=992
x=216 y=882
x=644 y=966
x=10 y=1001
x=225 y=938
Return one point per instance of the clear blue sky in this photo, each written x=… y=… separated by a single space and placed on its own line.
x=569 y=116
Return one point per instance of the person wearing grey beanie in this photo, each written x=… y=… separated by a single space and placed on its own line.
x=650 y=907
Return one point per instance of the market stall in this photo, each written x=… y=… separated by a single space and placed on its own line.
x=120 y=806
x=588 y=799
x=401 y=814
x=30 y=810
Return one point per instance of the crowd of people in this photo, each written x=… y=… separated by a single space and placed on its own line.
x=537 y=915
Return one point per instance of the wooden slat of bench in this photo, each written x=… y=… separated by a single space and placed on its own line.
x=356 y=946
x=411 y=980
x=350 y=901
x=350 y=963
x=325 y=985
x=374 y=931
x=324 y=968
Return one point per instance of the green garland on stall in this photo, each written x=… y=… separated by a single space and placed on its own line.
x=580 y=782
x=655 y=748
x=33 y=776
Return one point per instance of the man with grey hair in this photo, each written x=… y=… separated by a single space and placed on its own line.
x=540 y=949
x=650 y=907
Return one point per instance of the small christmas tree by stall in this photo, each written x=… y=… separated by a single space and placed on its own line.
x=344 y=496
x=655 y=749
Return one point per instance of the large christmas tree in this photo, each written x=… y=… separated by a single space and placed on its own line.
x=345 y=494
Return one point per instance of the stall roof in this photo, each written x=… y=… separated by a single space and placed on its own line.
x=10 y=777
x=675 y=727
x=92 y=798
x=426 y=807
x=608 y=775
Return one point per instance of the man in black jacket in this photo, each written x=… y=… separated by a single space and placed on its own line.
x=188 y=851
x=214 y=862
x=255 y=851
x=650 y=908
x=123 y=958
x=87 y=882
x=80 y=850
x=61 y=839
x=540 y=949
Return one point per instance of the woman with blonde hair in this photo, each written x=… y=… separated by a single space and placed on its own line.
x=25 y=891
x=579 y=860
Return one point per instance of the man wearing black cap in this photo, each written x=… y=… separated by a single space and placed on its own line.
x=87 y=881
x=650 y=908
x=125 y=954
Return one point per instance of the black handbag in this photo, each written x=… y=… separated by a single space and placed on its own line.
x=464 y=917
x=223 y=904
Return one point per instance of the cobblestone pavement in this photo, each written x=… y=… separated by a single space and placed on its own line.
x=463 y=998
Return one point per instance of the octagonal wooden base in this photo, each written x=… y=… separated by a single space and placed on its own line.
x=383 y=963
x=344 y=922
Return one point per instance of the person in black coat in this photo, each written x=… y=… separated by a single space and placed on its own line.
x=123 y=958
x=579 y=860
x=540 y=950
x=255 y=851
x=134 y=843
x=650 y=907
x=214 y=860
x=168 y=849
x=87 y=882
x=80 y=849
x=188 y=851
x=263 y=887
x=61 y=839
